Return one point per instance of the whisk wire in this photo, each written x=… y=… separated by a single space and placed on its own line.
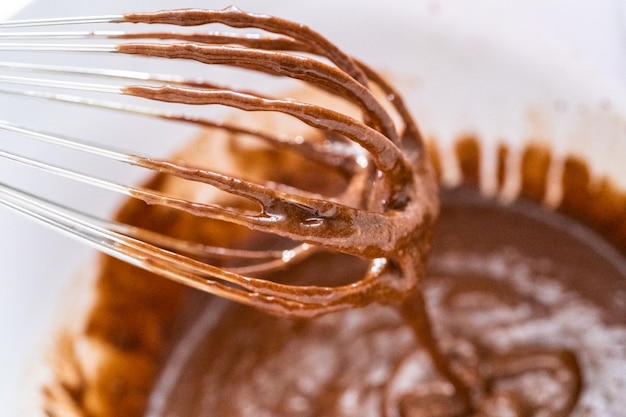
x=60 y=21
x=66 y=47
x=62 y=35
x=70 y=85
x=369 y=219
x=90 y=71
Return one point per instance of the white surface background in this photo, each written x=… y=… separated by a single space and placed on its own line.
x=10 y=7
x=580 y=39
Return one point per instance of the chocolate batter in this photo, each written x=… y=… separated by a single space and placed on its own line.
x=529 y=306
x=520 y=313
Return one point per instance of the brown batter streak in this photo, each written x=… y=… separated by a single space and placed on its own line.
x=484 y=282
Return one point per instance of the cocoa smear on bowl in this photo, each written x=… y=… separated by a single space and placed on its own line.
x=527 y=305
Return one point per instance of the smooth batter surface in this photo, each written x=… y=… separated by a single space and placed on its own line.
x=530 y=308
x=530 y=319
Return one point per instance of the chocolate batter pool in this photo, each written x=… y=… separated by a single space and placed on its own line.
x=528 y=309
x=529 y=306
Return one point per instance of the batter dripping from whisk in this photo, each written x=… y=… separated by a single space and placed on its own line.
x=380 y=359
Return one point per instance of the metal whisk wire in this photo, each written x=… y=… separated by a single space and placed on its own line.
x=389 y=175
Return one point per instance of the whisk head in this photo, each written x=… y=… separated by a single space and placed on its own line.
x=362 y=132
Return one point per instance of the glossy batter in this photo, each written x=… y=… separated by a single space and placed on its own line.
x=529 y=307
x=521 y=313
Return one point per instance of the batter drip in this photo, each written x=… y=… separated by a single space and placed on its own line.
x=489 y=291
x=512 y=312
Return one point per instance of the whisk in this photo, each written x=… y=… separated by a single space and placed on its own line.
x=385 y=214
